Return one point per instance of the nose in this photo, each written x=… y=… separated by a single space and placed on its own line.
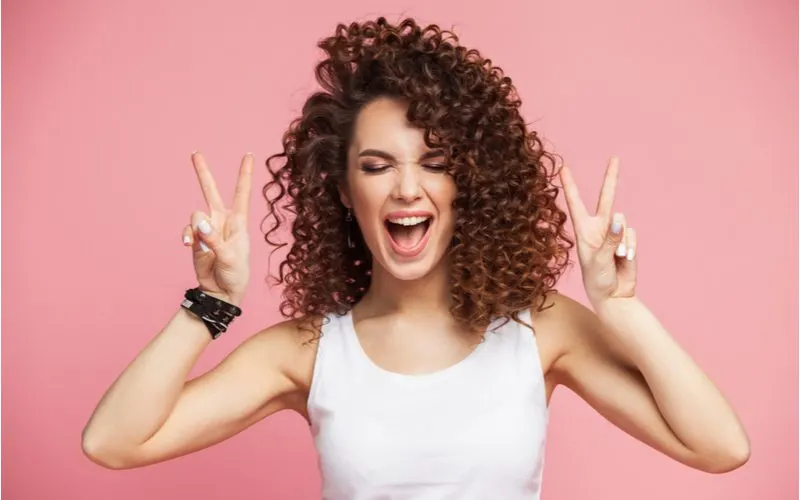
x=407 y=187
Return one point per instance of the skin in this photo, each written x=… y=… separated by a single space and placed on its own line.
x=616 y=356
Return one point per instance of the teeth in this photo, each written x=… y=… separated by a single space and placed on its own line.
x=408 y=221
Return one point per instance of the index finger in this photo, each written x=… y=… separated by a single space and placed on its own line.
x=241 y=200
x=207 y=184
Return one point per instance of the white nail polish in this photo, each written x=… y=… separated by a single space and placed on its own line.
x=204 y=227
x=616 y=224
x=204 y=247
x=631 y=252
x=186 y=239
x=621 y=250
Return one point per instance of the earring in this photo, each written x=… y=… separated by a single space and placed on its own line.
x=349 y=219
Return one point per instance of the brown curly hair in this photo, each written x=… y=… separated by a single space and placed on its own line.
x=510 y=246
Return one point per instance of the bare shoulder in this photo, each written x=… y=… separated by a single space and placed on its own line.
x=559 y=327
x=290 y=347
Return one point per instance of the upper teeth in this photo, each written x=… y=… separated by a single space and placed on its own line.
x=408 y=221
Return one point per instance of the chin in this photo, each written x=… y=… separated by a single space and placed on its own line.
x=409 y=271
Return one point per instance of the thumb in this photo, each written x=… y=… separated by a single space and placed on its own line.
x=615 y=235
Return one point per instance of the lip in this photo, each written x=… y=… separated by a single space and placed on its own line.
x=420 y=246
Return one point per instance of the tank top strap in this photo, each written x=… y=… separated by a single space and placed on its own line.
x=525 y=315
x=530 y=356
x=333 y=362
x=513 y=348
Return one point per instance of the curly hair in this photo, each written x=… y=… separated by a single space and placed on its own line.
x=510 y=245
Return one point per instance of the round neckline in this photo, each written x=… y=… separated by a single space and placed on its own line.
x=459 y=365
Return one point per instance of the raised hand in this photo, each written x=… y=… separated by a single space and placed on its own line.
x=606 y=247
x=219 y=238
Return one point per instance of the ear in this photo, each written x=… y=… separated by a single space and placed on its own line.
x=344 y=195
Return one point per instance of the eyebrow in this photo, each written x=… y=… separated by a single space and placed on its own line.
x=435 y=153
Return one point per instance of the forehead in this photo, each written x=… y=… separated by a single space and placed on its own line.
x=382 y=124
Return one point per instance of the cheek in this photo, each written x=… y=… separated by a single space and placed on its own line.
x=443 y=194
x=368 y=195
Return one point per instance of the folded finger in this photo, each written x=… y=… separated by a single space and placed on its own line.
x=204 y=232
x=630 y=238
x=188 y=235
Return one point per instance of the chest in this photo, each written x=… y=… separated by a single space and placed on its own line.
x=380 y=434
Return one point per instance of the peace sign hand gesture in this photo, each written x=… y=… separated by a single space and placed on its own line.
x=219 y=240
x=606 y=247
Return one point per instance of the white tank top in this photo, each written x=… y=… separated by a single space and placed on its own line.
x=474 y=430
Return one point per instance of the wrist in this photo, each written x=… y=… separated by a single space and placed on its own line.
x=614 y=309
x=235 y=299
x=217 y=310
x=196 y=321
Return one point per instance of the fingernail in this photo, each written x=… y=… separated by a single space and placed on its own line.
x=204 y=227
x=616 y=224
x=621 y=250
x=186 y=239
x=631 y=251
x=204 y=247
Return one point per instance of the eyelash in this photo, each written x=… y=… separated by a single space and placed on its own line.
x=375 y=169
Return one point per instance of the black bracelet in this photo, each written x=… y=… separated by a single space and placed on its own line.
x=215 y=313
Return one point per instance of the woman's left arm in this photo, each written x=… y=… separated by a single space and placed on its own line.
x=624 y=363
x=629 y=368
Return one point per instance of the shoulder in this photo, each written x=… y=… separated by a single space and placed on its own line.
x=560 y=309
x=562 y=326
x=289 y=346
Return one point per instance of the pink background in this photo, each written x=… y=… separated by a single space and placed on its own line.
x=104 y=101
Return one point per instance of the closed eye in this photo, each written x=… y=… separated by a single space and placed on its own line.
x=373 y=168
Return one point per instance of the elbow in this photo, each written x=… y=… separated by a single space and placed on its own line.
x=731 y=459
x=103 y=452
x=735 y=459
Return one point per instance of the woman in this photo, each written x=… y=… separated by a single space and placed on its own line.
x=425 y=336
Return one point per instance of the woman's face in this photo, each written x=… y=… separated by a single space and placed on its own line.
x=399 y=191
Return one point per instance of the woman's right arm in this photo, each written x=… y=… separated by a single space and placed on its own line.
x=151 y=413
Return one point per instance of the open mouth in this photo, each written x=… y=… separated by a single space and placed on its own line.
x=408 y=235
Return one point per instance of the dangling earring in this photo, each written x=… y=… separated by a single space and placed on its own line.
x=349 y=219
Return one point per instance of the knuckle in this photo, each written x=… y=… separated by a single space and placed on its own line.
x=197 y=216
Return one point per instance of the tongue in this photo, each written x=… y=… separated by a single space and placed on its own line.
x=407 y=236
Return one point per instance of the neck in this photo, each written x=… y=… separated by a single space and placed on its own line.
x=429 y=295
